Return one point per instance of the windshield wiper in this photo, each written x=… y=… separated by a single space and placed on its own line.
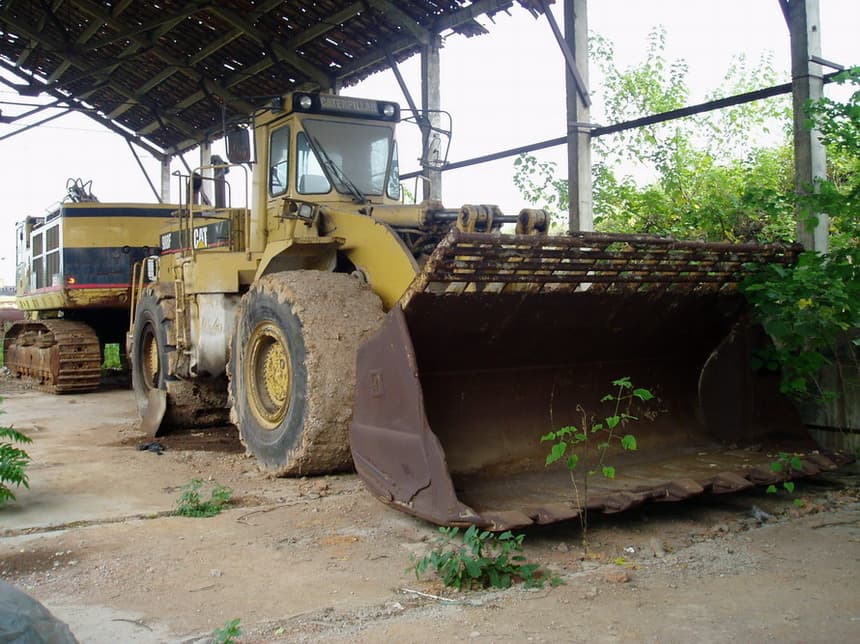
x=339 y=175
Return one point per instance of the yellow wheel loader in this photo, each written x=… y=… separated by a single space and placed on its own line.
x=432 y=351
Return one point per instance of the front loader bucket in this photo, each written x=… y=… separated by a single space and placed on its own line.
x=502 y=339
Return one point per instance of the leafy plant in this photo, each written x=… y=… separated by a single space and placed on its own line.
x=812 y=310
x=228 y=633
x=111 y=357
x=539 y=184
x=481 y=560
x=570 y=438
x=13 y=463
x=806 y=309
x=786 y=463
x=838 y=122
x=191 y=504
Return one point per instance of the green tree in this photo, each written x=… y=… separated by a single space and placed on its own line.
x=838 y=123
x=712 y=175
x=812 y=310
x=715 y=179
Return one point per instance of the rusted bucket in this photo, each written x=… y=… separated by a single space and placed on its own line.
x=502 y=339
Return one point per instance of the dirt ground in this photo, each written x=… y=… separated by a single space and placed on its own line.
x=319 y=559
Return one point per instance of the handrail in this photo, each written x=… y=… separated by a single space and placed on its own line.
x=137 y=273
x=199 y=172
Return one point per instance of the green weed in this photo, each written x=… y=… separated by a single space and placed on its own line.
x=191 y=503
x=481 y=560
x=567 y=439
x=572 y=436
x=111 y=357
x=228 y=633
x=786 y=463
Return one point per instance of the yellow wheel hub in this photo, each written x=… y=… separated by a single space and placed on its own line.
x=150 y=360
x=268 y=374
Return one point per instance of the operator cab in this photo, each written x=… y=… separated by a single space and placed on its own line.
x=325 y=148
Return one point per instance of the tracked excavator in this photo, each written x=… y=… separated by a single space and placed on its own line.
x=73 y=282
x=432 y=350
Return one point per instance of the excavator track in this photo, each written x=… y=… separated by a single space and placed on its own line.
x=60 y=356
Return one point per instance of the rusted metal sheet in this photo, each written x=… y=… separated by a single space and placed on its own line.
x=61 y=356
x=456 y=389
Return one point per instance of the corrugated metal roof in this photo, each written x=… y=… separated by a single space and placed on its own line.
x=171 y=71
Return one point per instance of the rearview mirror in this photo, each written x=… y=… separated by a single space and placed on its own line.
x=239 y=145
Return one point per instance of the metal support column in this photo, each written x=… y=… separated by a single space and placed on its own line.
x=431 y=99
x=165 y=180
x=206 y=192
x=578 y=116
x=810 y=161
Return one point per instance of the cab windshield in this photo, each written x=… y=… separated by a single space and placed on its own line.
x=356 y=155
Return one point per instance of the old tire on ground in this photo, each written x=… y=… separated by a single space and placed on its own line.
x=190 y=403
x=292 y=368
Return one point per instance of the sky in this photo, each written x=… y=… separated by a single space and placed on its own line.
x=503 y=90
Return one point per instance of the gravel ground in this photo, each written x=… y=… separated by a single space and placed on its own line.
x=319 y=559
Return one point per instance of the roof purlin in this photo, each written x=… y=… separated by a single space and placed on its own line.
x=204 y=53
x=93 y=72
x=76 y=105
x=163 y=28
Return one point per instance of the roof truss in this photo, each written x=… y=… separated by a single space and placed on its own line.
x=168 y=74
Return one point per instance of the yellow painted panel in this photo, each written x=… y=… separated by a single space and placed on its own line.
x=70 y=298
x=95 y=232
x=216 y=272
x=376 y=250
x=42 y=301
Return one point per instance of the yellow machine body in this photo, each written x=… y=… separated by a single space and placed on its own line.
x=73 y=282
x=339 y=326
x=81 y=255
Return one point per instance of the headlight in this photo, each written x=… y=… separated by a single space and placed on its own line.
x=305 y=102
x=388 y=110
x=306 y=211
x=151 y=268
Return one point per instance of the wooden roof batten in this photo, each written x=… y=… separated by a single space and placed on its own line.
x=167 y=75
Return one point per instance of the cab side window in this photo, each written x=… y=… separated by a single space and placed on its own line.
x=279 y=154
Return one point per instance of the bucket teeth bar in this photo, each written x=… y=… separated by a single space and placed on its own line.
x=594 y=261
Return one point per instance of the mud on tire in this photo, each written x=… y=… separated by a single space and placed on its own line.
x=292 y=368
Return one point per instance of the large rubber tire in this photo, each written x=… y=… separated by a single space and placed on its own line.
x=190 y=403
x=154 y=343
x=292 y=368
